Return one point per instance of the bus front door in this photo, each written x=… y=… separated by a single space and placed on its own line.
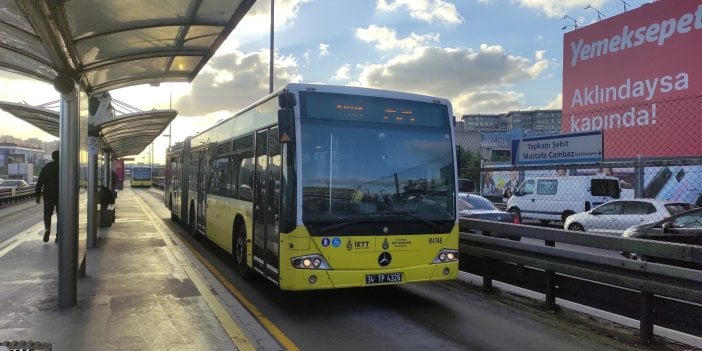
x=265 y=213
x=203 y=181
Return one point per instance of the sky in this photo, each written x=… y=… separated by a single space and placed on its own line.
x=485 y=56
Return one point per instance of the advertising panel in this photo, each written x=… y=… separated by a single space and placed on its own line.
x=119 y=169
x=636 y=76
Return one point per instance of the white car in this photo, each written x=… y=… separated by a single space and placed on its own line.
x=616 y=216
x=13 y=183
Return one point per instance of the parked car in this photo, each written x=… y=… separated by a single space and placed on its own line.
x=615 y=216
x=557 y=197
x=477 y=207
x=684 y=228
x=466 y=186
x=13 y=183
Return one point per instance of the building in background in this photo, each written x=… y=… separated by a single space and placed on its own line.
x=491 y=134
x=24 y=151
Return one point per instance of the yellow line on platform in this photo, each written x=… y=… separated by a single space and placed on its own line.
x=265 y=322
x=230 y=326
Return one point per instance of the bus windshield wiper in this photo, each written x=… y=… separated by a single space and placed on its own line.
x=346 y=223
x=380 y=217
x=401 y=214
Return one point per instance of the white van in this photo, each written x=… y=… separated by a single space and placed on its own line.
x=557 y=197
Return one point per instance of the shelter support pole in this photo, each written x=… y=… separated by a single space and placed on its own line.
x=107 y=170
x=69 y=175
x=92 y=186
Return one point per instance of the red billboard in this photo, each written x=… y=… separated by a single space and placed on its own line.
x=637 y=77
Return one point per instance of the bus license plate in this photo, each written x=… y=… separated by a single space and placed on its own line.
x=383 y=278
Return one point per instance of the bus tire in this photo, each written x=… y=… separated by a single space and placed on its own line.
x=192 y=223
x=239 y=253
x=174 y=217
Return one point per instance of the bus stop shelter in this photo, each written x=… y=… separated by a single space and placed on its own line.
x=93 y=46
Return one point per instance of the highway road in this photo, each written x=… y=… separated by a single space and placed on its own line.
x=21 y=216
x=443 y=316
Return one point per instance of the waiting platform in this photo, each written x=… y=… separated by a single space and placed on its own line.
x=142 y=291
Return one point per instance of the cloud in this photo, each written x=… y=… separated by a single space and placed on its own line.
x=232 y=82
x=558 y=8
x=343 y=73
x=386 y=38
x=429 y=11
x=257 y=23
x=555 y=104
x=323 y=50
x=489 y=101
x=462 y=75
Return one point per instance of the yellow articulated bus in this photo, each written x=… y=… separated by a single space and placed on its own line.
x=141 y=177
x=323 y=187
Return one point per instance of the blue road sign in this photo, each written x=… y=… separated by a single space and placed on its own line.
x=558 y=149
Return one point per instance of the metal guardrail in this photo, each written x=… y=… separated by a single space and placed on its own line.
x=588 y=278
x=16 y=194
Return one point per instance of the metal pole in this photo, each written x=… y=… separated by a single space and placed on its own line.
x=550 y=301
x=69 y=174
x=106 y=170
x=646 y=318
x=170 y=107
x=270 y=65
x=92 y=191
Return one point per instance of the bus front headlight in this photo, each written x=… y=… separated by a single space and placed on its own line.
x=310 y=262
x=446 y=255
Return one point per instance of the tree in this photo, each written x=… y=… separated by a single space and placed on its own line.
x=468 y=163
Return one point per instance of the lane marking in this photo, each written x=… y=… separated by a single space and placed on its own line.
x=11 y=243
x=253 y=310
x=230 y=326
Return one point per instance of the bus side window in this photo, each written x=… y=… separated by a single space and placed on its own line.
x=223 y=176
x=246 y=178
x=234 y=165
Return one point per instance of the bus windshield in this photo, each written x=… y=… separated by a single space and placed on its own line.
x=355 y=171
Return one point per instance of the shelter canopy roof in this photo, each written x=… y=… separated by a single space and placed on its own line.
x=124 y=135
x=107 y=44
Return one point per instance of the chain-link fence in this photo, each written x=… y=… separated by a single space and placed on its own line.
x=652 y=159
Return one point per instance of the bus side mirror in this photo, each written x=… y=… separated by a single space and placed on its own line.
x=286 y=100
x=286 y=125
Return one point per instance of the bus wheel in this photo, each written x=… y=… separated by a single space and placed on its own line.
x=174 y=217
x=240 y=253
x=193 y=223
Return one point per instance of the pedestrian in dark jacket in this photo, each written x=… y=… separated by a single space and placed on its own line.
x=48 y=186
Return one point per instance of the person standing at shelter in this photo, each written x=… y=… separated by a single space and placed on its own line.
x=48 y=186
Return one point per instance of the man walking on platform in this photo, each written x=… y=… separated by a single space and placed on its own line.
x=48 y=186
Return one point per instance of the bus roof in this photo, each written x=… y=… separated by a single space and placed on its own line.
x=338 y=89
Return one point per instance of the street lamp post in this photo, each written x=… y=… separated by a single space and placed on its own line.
x=599 y=14
x=574 y=25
